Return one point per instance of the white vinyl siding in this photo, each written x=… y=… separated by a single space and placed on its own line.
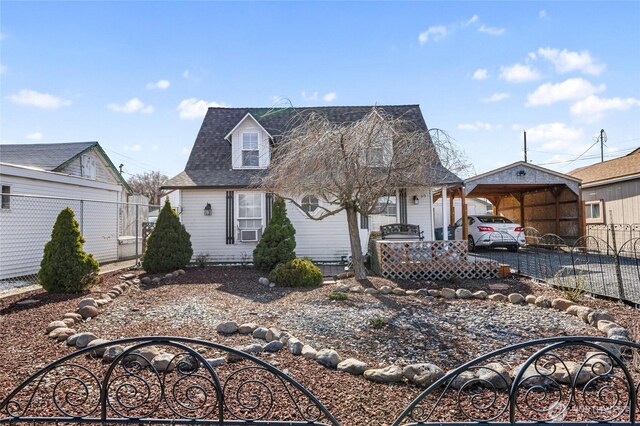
x=32 y=219
x=324 y=240
x=103 y=172
x=246 y=127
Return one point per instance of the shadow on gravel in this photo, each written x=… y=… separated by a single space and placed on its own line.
x=40 y=299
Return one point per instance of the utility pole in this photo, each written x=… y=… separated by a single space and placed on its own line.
x=601 y=145
x=525 y=146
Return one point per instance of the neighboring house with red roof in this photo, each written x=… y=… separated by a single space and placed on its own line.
x=611 y=190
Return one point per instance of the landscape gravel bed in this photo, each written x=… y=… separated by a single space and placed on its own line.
x=444 y=332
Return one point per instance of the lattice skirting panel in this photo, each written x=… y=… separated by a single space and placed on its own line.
x=428 y=260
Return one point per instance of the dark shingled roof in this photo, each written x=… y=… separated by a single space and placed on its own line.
x=209 y=164
x=45 y=156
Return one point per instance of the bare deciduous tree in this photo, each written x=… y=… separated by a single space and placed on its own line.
x=148 y=184
x=352 y=165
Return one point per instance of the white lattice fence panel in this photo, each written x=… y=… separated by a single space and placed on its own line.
x=429 y=260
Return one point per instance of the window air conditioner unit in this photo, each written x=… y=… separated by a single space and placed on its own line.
x=249 y=235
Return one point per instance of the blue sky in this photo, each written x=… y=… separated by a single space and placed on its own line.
x=137 y=76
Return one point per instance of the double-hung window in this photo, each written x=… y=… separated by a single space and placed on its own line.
x=249 y=216
x=6 y=197
x=250 y=150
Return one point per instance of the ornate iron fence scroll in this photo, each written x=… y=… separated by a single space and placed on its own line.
x=181 y=387
x=571 y=380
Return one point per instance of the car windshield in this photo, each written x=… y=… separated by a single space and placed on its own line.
x=493 y=219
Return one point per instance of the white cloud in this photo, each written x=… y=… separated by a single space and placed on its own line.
x=556 y=137
x=435 y=33
x=160 y=84
x=193 y=108
x=36 y=136
x=309 y=97
x=185 y=73
x=37 y=99
x=475 y=126
x=472 y=20
x=133 y=148
x=496 y=97
x=542 y=14
x=593 y=108
x=132 y=105
x=480 y=74
x=566 y=61
x=494 y=31
x=330 y=97
x=155 y=147
x=569 y=90
x=519 y=73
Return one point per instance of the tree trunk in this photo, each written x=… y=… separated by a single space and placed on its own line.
x=356 y=248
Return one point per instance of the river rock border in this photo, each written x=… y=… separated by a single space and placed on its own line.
x=420 y=374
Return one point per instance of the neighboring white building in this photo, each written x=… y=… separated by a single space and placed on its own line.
x=475 y=206
x=38 y=181
x=232 y=147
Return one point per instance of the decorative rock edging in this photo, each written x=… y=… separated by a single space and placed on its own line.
x=421 y=374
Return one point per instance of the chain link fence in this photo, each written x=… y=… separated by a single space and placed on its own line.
x=112 y=232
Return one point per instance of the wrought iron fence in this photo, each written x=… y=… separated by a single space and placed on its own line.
x=112 y=231
x=589 y=264
x=167 y=380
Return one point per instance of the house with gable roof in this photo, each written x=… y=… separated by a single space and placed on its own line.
x=226 y=215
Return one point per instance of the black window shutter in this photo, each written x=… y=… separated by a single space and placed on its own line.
x=230 y=220
x=269 y=206
x=403 y=205
x=364 y=222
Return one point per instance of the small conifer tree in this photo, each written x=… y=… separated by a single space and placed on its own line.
x=169 y=245
x=65 y=267
x=278 y=242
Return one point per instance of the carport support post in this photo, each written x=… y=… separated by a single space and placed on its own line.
x=465 y=216
x=445 y=215
x=452 y=208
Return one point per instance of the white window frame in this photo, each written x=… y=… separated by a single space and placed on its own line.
x=382 y=147
x=587 y=205
x=258 y=230
x=8 y=195
x=249 y=131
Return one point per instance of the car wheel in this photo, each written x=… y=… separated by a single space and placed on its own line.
x=472 y=244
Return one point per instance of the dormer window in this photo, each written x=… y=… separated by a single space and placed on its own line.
x=250 y=150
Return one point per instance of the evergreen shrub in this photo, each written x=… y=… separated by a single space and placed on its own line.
x=65 y=267
x=169 y=245
x=296 y=273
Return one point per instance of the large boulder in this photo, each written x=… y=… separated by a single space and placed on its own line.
x=533 y=376
x=353 y=366
x=273 y=346
x=328 y=358
x=227 y=327
x=465 y=378
x=55 y=324
x=247 y=328
x=272 y=334
x=88 y=311
x=463 y=293
x=494 y=375
x=87 y=302
x=448 y=293
x=83 y=339
x=597 y=316
x=309 y=352
x=424 y=374
x=565 y=372
x=516 y=298
x=480 y=294
x=260 y=333
x=111 y=353
x=561 y=304
x=98 y=352
x=61 y=334
x=390 y=374
x=543 y=302
x=497 y=297
x=295 y=346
